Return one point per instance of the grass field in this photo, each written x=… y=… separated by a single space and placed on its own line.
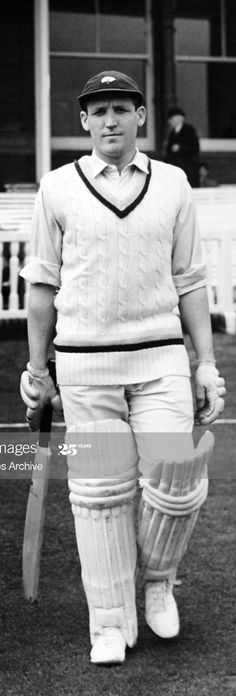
x=45 y=646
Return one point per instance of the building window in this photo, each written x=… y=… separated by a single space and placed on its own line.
x=86 y=37
x=205 y=52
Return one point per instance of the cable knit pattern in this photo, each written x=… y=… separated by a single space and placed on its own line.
x=143 y=260
x=116 y=276
x=124 y=262
x=102 y=254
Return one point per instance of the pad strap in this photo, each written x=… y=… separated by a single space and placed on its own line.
x=178 y=505
x=101 y=496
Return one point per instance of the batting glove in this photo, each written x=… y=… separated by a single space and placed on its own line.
x=210 y=388
x=37 y=389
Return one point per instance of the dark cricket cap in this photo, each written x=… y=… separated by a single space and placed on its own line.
x=110 y=81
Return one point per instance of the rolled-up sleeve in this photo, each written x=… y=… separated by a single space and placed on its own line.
x=189 y=270
x=44 y=262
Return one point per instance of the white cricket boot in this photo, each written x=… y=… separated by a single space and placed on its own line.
x=161 y=609
x=109 y=648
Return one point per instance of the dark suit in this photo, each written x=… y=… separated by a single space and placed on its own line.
x=187 y=156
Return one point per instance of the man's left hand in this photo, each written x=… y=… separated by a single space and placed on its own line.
x=210 y=390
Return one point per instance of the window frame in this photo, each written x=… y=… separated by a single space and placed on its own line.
x=213 y=144
x=83 y=143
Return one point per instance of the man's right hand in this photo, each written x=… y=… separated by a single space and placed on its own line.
x=37 y=389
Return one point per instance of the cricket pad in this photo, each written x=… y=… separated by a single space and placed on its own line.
x=168 y=512
x=103 y=508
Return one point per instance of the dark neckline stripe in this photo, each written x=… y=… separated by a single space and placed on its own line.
x=108 y=204
x=121 y=347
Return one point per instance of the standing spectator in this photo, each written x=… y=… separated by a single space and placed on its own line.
x=205 y=180
x=182 y=146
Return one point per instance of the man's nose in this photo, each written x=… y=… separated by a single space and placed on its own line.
x=111 y=119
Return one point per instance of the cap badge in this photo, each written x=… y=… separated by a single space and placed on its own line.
x=108 y=79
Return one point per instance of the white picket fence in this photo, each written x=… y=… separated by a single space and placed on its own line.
x=216 y=209
x=15 y=217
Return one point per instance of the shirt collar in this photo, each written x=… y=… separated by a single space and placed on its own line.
x=98 y=165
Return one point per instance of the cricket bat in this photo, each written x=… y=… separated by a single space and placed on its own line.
x=35 y=511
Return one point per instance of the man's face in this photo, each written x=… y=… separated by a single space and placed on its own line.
x=176 y=121
x=113 y=123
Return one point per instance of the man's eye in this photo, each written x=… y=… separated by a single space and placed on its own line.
x=99 y=112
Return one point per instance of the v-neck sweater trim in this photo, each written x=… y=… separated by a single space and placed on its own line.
x=121 y=213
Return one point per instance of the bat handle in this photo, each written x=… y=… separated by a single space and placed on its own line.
x=46 y=418
x=51 y=364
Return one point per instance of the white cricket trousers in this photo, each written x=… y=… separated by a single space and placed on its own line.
x=161 y=405
x=103 y=486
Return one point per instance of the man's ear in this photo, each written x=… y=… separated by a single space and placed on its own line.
x=84 y=120
x=141 y=112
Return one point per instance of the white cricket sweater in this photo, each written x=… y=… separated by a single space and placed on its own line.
x=119 y=270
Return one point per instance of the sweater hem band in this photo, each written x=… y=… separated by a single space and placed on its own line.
x=120 y=347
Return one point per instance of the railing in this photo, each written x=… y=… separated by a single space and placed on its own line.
x=16 y=209
x=14 y=251
x=216 y=209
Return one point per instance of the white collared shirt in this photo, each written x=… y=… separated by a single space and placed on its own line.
x=114 y=179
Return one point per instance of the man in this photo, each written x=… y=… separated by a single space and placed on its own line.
x=205 y=178
x=182 y=147
x=115 y=249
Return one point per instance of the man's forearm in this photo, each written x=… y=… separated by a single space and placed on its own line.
x=194 y=312
x=41 y=323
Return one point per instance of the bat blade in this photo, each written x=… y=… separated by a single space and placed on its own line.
x=35 y=512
